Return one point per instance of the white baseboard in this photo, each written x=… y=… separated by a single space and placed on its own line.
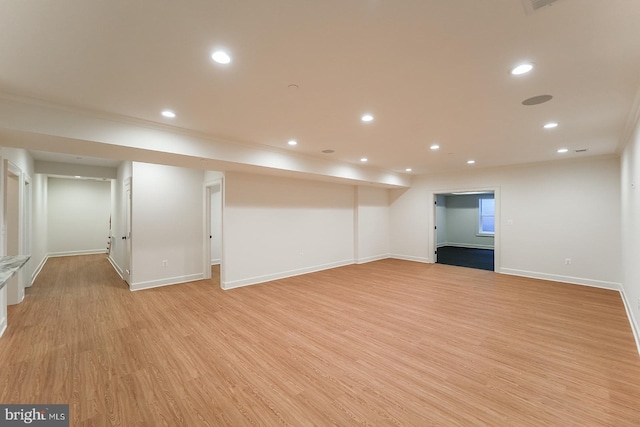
x=75 y=253
x=38 y=269
x=565 y=279
x=166 y=282
x=372 y=258
x=3 y=326
x=465 y=245
x=634 y=325
x=116 y=267
x=276 y=276
x=215 y=261
x=411 y=258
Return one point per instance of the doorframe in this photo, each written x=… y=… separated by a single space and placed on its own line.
x=127 y=196
x=433 y=240
x=26 y=204
x=11 y=168
x=207 y=214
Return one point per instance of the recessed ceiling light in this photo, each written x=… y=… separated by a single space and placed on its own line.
x=221 y=57
x=364 y=159
x=292 y=142
x=550 y=125
x=470 y=162
x=521 y=69
x=434 y=147
x=563 y=150
x=78 y=176
x=408 y=170
x=169 y=114
x=367 y=118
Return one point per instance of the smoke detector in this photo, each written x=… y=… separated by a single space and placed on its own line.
x=531 y=6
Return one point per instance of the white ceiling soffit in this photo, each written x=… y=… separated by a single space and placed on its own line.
x=531 y=6
x=47 y=156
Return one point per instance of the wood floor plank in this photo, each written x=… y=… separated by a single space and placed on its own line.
x=386 y=343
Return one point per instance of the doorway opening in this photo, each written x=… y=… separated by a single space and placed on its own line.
x=126 y=268
x=466 y=229
x=213 y=259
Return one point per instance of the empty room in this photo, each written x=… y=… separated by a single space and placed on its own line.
x=420 y=212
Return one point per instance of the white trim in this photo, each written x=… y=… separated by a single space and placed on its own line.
x=3 y=326
x=74 y=253
x=372 y=258
x=632 y=321
x=215 y=261
x=614 y=286
x=271 y=277
x=466 y=245
x=38 y=269
x=21 y=297
x=166 y=282
x=411 y=258
x=116 y=267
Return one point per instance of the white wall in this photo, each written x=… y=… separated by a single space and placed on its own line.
x=372 y=224
x=24 y=162
x=78 y=214
x=462 y=216
x=558 y=210
x=630 y=189
x=278 y=227
x=167 y=224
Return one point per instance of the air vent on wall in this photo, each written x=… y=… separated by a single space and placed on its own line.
x=581 y=150
x=531 y=6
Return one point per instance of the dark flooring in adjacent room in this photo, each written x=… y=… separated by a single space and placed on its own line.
x=466 y=257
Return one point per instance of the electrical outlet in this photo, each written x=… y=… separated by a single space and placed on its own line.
x=567 y=261
x=165 y=262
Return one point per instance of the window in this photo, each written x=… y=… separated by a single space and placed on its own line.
x=487 y=216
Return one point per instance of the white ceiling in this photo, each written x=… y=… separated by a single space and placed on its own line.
x=430 y=71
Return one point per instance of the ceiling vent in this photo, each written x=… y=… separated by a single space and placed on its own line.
x=531 y=6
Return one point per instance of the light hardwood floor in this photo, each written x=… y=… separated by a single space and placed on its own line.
x=385 y=343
